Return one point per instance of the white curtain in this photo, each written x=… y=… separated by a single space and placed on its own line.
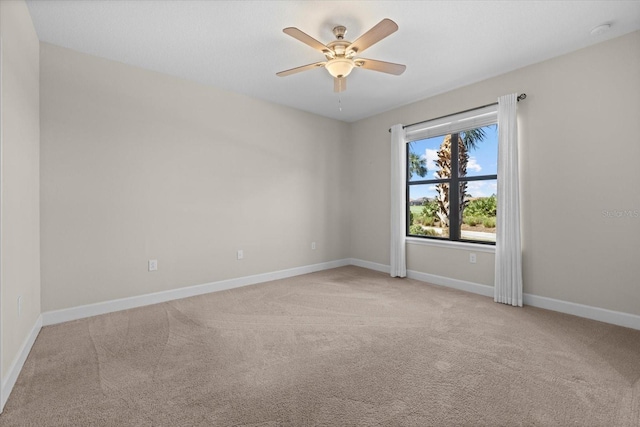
x=398 y=213
x=508 y=277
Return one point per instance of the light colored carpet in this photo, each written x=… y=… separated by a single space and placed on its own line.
x=343 y=347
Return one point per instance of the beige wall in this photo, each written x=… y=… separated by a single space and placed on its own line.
x=19 y=215
x=138 y=165
x=579 y=129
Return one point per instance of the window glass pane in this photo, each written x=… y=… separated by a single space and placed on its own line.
x=480 y=146
x=425 y=212
x=479 y=212
x=422 y=158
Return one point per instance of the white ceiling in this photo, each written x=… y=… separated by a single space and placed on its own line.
x=239 y=45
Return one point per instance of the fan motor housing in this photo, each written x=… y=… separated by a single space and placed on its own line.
x=339 y=47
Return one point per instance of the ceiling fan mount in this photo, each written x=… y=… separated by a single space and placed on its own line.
x=339 y=31
x=341 y=54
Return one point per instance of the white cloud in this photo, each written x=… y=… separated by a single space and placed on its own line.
x=473 y=165
x=431 y=156
x=482 y=188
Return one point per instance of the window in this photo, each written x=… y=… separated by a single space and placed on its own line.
x=452 y=178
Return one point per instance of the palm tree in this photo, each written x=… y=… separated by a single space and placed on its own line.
x=467 y=140
x=417 y=163
x=471 y=137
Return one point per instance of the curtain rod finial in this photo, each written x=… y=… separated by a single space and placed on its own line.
x=522 y=96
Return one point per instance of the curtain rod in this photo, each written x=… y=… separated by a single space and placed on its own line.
x=520 y=98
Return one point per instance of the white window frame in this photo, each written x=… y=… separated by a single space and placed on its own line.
x=455 y=123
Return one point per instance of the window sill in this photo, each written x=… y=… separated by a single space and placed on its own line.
x=476 y=247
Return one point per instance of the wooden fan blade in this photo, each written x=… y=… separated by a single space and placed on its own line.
x=339 y=84
x=374 y=35
x=305 y=38
x=300 y=69
x=383 y=67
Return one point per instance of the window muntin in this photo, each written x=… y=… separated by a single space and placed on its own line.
x=447 y=180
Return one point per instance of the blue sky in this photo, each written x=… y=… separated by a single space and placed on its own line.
x=482 y=161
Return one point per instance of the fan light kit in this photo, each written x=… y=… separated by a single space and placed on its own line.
x=340 y=53
x=340 y=67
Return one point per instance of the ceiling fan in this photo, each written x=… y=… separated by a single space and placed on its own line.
x=341 y=53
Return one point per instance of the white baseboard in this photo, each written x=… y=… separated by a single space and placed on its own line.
x=80 y=312
x=429 y=278
x=18 y=363
x=594 y=313
x=370 y=265
x=463 y=285
x=588 y=312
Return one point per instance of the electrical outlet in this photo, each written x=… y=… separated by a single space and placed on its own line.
x=153 y=265
x=313 y=245
x=19 y=305
x=240 y=254
x=472 y=258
